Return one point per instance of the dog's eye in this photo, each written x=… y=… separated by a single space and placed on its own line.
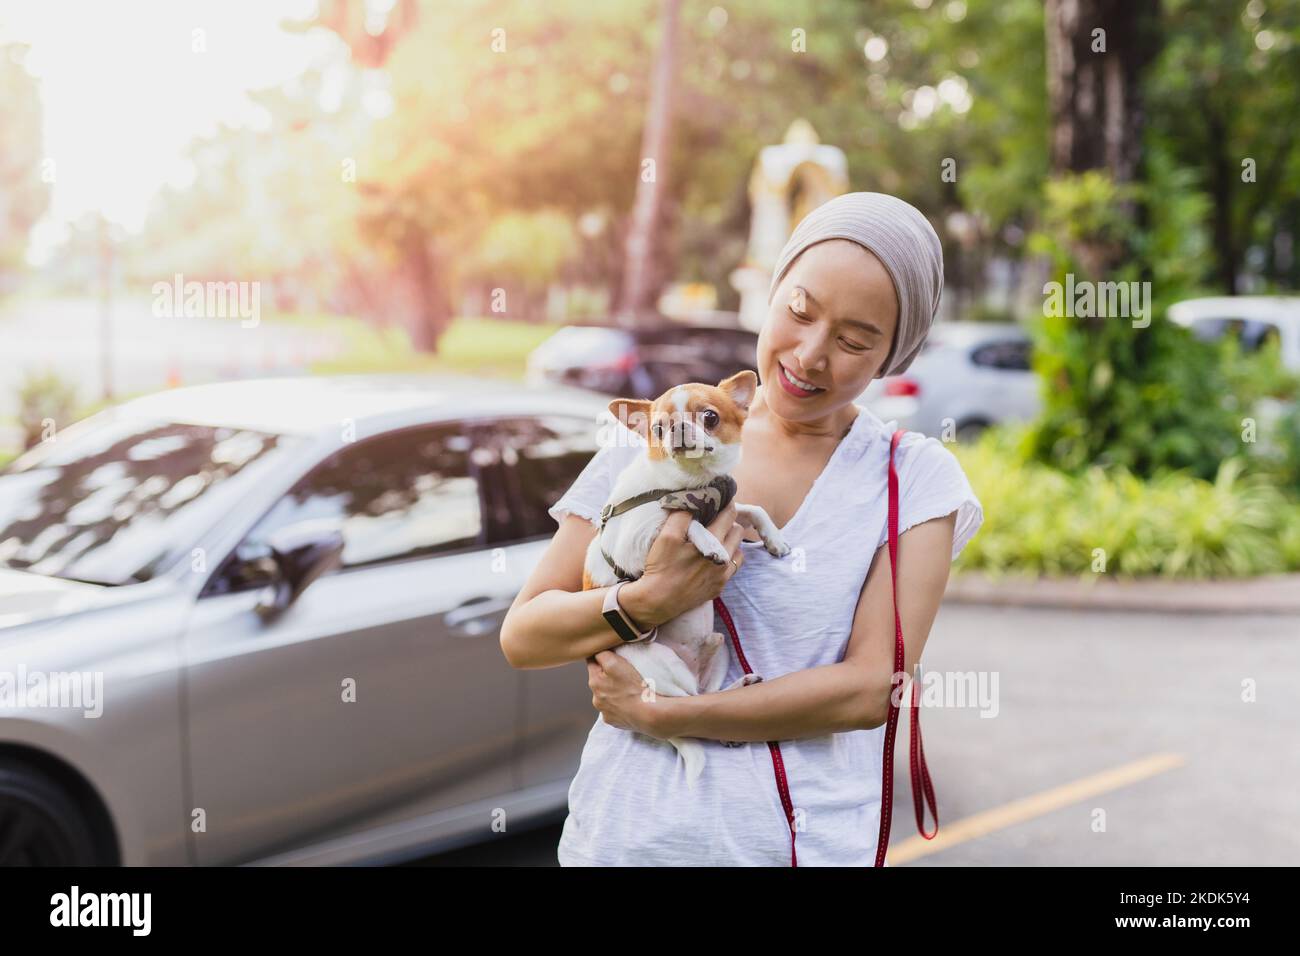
x=657 y=430
x=710 y=418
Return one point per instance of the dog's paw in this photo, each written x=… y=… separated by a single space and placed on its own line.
x=744 y=681
x=776 y=546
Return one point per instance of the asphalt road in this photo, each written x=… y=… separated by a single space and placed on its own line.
x=1118 y=739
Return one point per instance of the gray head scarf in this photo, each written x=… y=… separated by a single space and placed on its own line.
x=902 y=239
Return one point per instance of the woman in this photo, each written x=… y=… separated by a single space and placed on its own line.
x=852 y=298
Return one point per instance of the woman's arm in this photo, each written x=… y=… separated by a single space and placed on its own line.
x=850 y=695
x=553 y=621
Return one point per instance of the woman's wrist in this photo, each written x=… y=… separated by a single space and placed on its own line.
x=664 y=716
x=639 y=604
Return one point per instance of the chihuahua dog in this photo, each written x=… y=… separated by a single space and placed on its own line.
x=692 y=435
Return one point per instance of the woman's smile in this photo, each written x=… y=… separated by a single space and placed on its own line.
x=796 y=386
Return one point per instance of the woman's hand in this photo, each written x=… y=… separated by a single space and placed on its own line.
x=677 y=577
x=616 y=691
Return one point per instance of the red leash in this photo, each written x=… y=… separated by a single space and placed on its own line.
x=778 y=765
x=920 y=772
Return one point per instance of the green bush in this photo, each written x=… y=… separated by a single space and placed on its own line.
x=1145 y=398
x=1039 y=520
x=44 y=400
x=1286 y=449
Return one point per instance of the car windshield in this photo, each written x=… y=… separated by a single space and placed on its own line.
x=107 y=500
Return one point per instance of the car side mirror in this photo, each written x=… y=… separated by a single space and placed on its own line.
x=301 y=554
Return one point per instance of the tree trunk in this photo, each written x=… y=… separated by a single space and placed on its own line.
x=1096 y=53
x=427 y=303
x=644 y=271
x=1094 y=97
x=1221 y=188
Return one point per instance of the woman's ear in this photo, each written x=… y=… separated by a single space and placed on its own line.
x=740 y=388
x=633 y=414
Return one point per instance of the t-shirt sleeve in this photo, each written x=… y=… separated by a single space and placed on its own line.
x=931 y=484
x=591 y=489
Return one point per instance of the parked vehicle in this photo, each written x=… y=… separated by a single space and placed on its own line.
x=284 y=598
x=969 y=375
x=1251 y=319
x=641 y=363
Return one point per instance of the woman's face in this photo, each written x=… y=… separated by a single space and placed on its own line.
x=830 y=325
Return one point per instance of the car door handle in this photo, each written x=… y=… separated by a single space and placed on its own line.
x=476 y=616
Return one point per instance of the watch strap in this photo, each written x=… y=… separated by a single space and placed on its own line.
x=618 y=619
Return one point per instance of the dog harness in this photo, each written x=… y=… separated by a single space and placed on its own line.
x=704 y=504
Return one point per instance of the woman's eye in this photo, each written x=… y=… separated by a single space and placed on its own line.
x=854 y=346
x=710 y=418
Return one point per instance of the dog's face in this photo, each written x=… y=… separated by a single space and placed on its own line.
x=697 y=426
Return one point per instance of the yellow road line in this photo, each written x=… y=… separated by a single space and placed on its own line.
x=1026 y=808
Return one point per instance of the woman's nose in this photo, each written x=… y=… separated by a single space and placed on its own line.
x=811 y=354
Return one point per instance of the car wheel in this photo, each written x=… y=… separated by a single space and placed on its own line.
x=40 y=824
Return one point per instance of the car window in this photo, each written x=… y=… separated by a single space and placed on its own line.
x=1250 y=334
x=526 y=464
x=1012 y=355
x=1257 y=334
x=677 y=354
x=1209 y=330
x=406 y=494
x=117 y=499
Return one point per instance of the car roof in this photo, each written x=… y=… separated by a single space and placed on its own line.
x=1277 y=308
x=309 y=404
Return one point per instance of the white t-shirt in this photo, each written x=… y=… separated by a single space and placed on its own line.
x=629 y=804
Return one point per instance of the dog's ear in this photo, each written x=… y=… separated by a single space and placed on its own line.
x=740 y=388
x=633 y=414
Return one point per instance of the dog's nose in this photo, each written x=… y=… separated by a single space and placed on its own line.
x=685 y=436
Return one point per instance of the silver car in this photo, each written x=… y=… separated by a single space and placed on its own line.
x=258 y=622
x=969 y=375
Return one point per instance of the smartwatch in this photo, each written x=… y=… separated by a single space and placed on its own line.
x=620 y=622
